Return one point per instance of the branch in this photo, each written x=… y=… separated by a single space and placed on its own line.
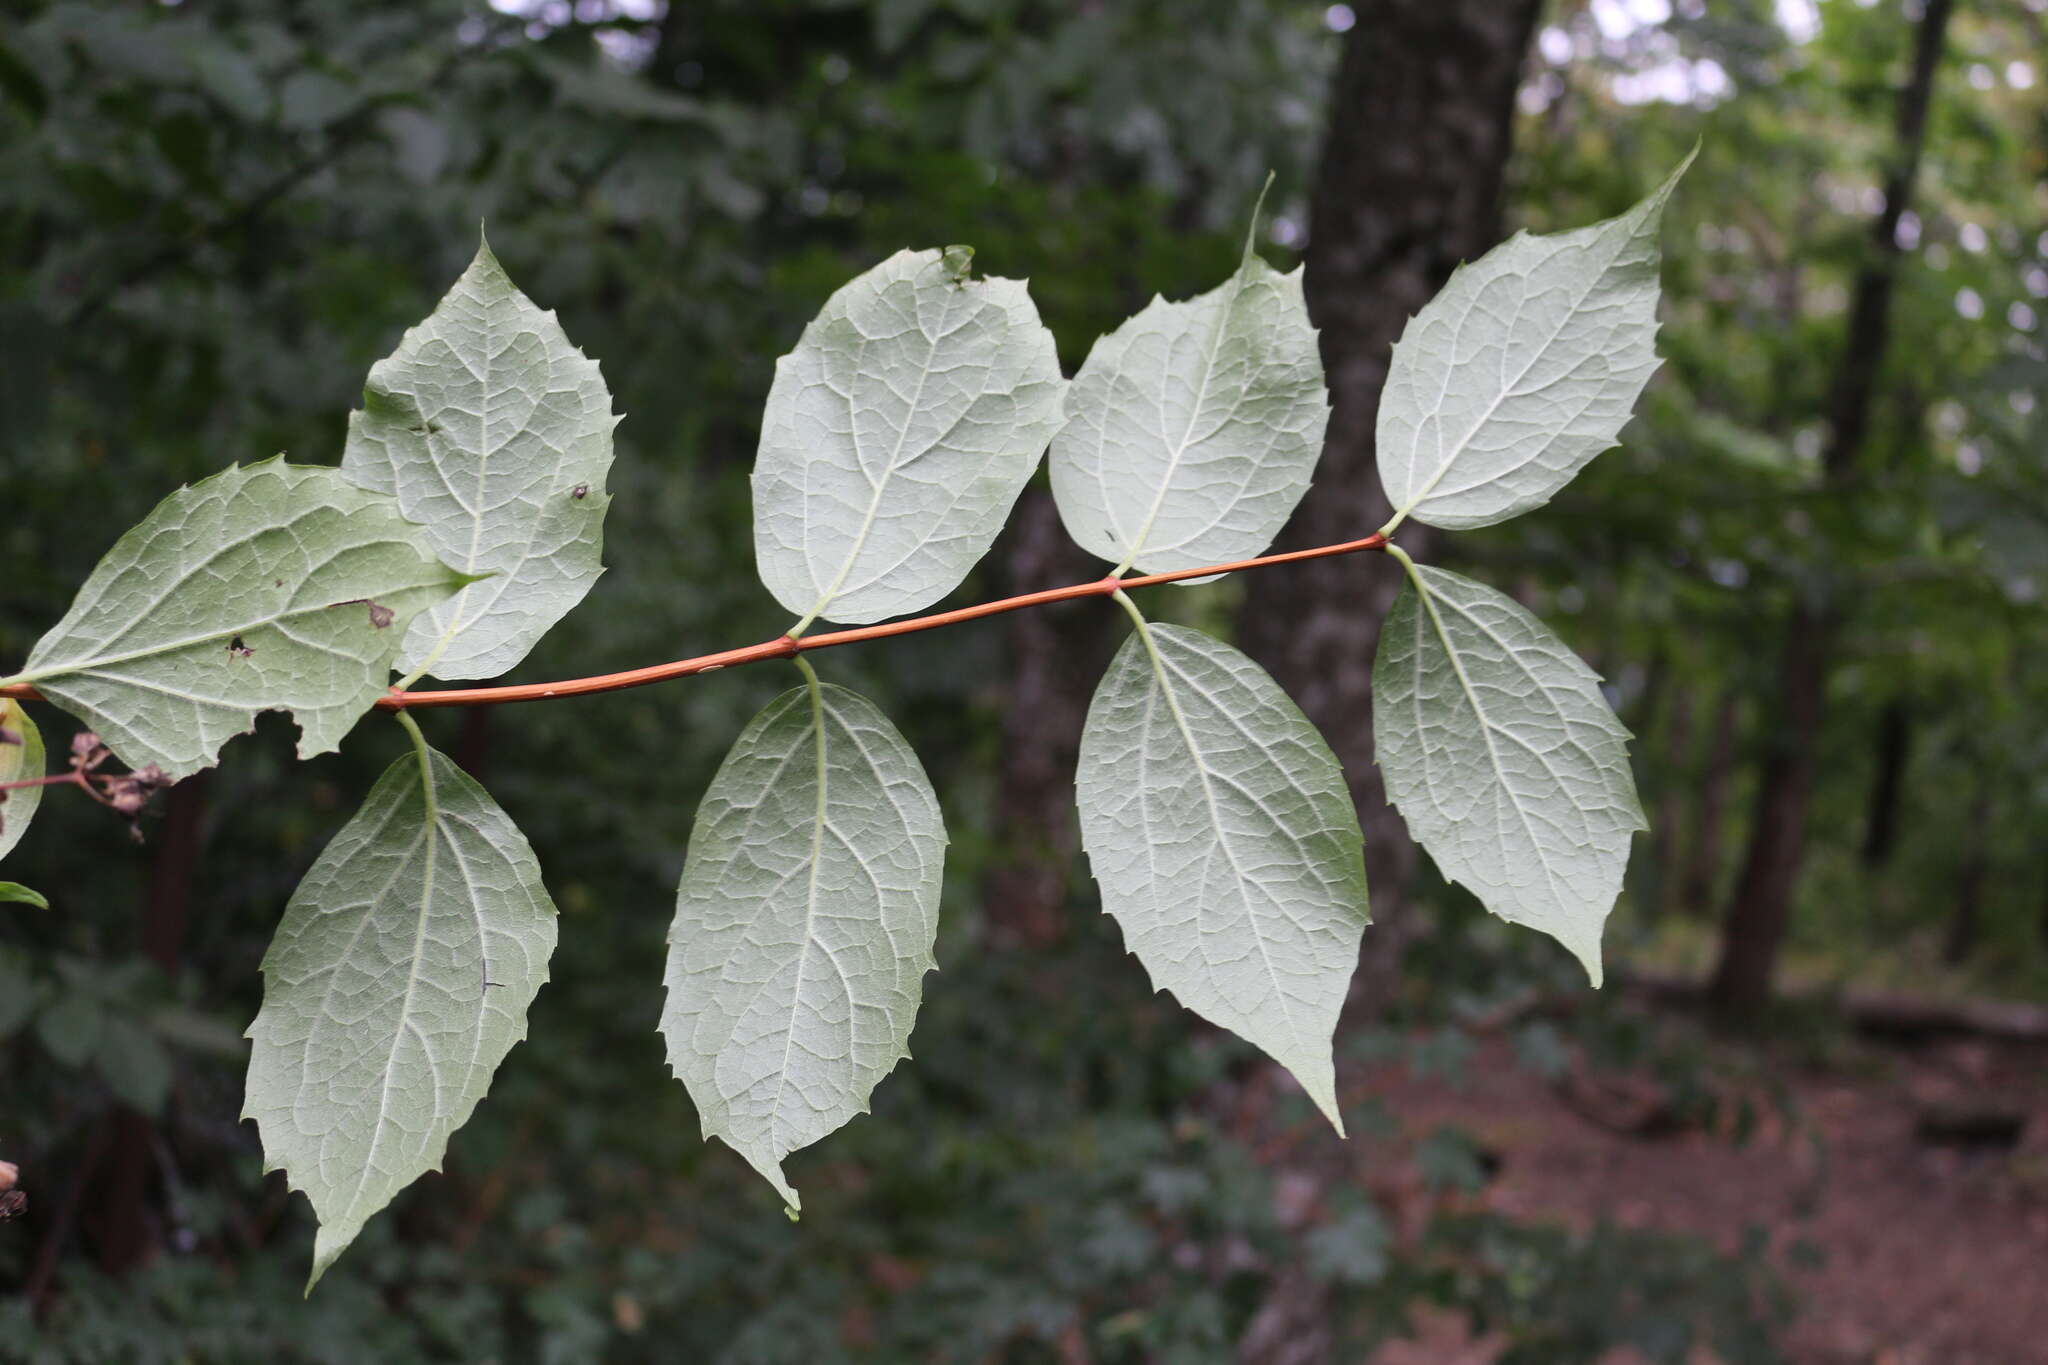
x=787 y=647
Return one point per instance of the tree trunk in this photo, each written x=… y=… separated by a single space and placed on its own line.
x=1966 y=921
x=1703 y=859
x=118 y=1220
x=2044 y=912
x=1420 y=126
x=1055 y=655
x=1756 y=919
x=1666 y=843
x=1762 y=904
x=1894 y=747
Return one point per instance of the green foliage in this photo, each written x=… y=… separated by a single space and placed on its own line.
x=1562 y=1298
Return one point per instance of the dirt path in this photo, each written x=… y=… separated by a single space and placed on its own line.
x=1935 y=1253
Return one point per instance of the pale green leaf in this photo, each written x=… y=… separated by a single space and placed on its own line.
x=16 y=893
x=804 y=925
x=897 y=436
x=18 y=762
x=1194 y=427
x=495 y=435
x=273 y=587
x=1504 y=758
x=1521 y=370
x=398 y=981
x=1219 y=827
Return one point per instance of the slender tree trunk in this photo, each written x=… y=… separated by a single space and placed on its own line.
x=1966 y=921
x=1703 y=859
x=1666 y=837
x=1761 y=907
x=1055 y=656
x=1420 y=127
x=2044 y=911
x=1756 y=919
x=1894 y=747
x=117 y=1216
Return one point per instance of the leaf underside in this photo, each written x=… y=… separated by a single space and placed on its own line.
x=1194 y=427
x=19 y=761
x=1504 y=758
x=398 y=981
x=897 y=437
x=804 y=925
x=266 y=587
x=495 y=435
x=1524 y=367
x=1219 y=826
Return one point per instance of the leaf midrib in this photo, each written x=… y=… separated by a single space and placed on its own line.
x=173 y=646
x=1486 y=726
x=431 y=836
x=1160 y=678
x=1236 y=288
x=867 y=522
x=1535 y=355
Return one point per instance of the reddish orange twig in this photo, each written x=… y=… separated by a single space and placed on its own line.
x=783 y=646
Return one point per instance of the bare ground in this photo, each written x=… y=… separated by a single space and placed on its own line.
x=1936 y=1247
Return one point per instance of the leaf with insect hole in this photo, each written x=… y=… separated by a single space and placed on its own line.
x=495 y=434
x=268 y=587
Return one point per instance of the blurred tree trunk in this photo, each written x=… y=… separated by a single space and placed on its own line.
x=1761 y=906
x=1966 y=921
x=1757 y=916
x=1894 y=747
x=1420 y=127
x=1703 y=859
x=116 y=1212
x=1667 y=845
x=1055 y=654
x=2044 y=911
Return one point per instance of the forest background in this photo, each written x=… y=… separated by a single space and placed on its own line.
x=1812 y=576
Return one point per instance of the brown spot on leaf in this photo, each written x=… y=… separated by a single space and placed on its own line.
x=8 y=736
x=381 y=616
x=239 y=650
x=580 y=492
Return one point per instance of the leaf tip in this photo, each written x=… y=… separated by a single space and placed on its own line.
x=1588 y=954
x=327 y=1249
